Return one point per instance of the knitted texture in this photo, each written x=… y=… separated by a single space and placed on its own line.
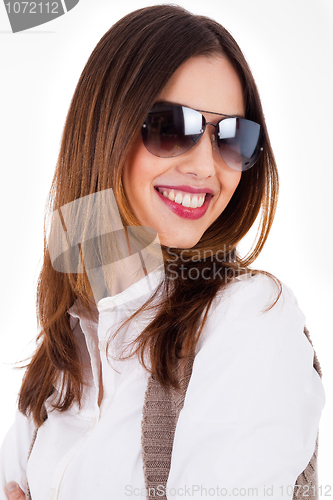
x=27 y=491
x=159 y=418
x=307 y=482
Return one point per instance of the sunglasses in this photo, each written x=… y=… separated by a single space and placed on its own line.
x=171 y=130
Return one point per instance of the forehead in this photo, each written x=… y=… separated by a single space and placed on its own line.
x=209 y=83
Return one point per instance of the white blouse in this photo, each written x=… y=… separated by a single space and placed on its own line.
x=248 y=426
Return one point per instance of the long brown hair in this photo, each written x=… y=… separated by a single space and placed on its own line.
x=121 y=81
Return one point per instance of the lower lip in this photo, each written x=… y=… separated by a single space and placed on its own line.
x=186 y=212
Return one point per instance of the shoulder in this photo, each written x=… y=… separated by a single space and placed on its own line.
x=257 y=349
x=258 y=291
x=255 y=308
x=259 y=296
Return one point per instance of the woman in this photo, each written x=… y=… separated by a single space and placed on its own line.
x=167 y=128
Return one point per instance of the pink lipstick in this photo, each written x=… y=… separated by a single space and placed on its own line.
x=187 y=212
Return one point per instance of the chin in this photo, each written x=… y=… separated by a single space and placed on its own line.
x=182 y=243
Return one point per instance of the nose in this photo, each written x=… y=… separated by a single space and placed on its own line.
x=200 y=160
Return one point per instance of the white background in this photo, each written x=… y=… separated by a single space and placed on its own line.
x=289 y=46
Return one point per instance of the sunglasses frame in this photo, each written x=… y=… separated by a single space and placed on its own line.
x=258 y=149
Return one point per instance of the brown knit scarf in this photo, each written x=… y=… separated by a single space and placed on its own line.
x=159 y=419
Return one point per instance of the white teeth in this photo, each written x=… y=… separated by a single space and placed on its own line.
x=194 y=202
x=171 y=195
x=185 y=200
x=179 y=198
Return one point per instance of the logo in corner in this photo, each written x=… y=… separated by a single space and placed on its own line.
x=25 y=15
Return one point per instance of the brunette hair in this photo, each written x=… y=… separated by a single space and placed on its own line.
x=121 y=81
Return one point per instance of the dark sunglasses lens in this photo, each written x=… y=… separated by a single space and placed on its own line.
x=171 y=130
x=239 y=142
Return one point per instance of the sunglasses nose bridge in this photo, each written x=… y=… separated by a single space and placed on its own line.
x=213 y=135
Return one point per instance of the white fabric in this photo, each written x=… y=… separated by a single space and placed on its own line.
x=250 y=417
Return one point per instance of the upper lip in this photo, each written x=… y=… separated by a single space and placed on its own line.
x=187 y=189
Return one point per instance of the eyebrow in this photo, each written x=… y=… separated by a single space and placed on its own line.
x=200 y=110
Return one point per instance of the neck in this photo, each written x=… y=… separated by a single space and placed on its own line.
x=126 y=267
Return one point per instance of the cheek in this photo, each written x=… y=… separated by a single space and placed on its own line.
x=141 y=168
x=229 y=181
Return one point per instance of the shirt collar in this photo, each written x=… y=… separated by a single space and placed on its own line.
x=127 y=299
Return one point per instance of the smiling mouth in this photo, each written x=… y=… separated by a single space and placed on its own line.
x=188 y=200
x=178 y=205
